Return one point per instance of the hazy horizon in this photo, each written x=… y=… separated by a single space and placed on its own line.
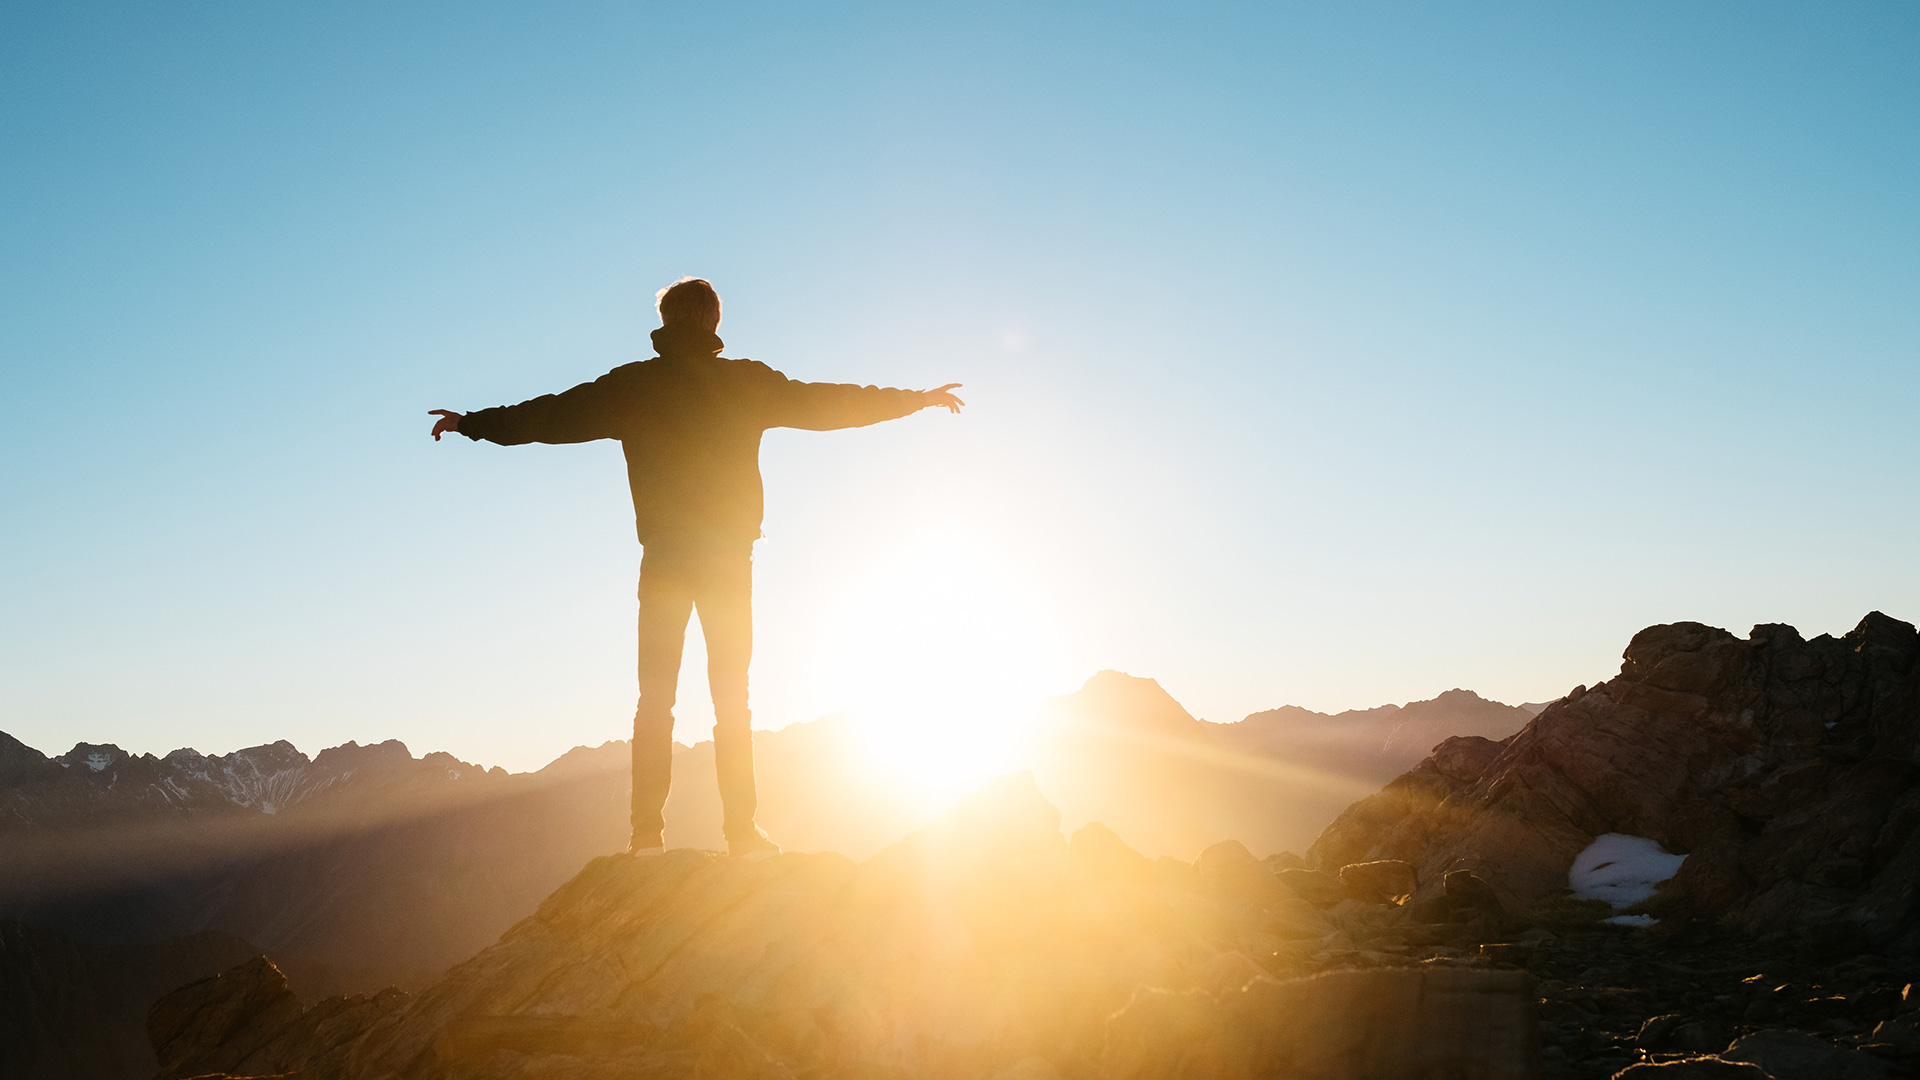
x=707 y=737
x=1315 y=357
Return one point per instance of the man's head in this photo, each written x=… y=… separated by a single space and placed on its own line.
x=690 y=303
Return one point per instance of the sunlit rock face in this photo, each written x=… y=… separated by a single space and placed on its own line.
x=1784 y=769
x=986 y=945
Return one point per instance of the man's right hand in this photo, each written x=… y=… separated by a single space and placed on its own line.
x=449 y=422
x=944 y=398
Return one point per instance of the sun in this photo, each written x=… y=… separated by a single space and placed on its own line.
x=940 y=652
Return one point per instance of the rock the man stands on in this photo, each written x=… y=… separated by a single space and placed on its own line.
x=690 y=423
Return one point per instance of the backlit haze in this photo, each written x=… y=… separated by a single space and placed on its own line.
x=1322 y=355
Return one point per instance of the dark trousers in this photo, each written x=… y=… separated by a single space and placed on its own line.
x=675 y=579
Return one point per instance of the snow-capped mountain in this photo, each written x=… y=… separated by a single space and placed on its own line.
x=96 y=781
x=361 y=865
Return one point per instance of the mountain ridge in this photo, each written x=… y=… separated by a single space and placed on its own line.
x=363 y=865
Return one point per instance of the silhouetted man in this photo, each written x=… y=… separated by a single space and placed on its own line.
x=690 y=423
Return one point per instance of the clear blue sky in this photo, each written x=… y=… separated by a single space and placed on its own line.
x=1317 y=354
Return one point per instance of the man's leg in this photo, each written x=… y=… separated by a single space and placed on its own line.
x=666 y=599
x=726 y=616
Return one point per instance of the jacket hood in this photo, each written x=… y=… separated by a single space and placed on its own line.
x=686 y=341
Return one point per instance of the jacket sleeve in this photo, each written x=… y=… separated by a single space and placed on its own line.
x=826 y=406
x=586 y=412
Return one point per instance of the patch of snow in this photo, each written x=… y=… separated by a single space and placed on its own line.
x=1830 y=724
x=1621 y=869
x=1631 y=920
x=98 y=761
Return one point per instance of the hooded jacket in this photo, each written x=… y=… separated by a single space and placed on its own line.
x=690 y=423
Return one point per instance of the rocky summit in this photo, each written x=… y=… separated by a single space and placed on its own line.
x=988 y=945
x=1430 y=931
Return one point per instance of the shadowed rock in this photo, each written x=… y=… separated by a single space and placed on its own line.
x=1786 y=769
x=1383 y=881
x=245 y=1022
x=1795 y=1055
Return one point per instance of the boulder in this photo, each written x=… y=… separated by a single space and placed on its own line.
x=1316 y=887
x=1386 y=1024
x=1383 y=881
x=1795 y=1055
x=1900 y=1035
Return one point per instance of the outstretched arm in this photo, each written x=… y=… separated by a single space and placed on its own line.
x=586 y=412
x=826 y=406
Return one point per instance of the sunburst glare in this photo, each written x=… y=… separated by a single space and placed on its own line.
x=941 y=652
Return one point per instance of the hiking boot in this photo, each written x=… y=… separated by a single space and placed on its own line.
x=753 y=845
x=639 y=846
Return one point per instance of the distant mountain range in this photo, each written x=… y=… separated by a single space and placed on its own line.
x=365 y=866
x=1121 y=751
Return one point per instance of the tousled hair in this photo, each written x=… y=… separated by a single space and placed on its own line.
x=689 y=301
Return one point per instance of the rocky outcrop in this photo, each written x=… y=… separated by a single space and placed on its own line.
x=986 y=945
x=1787 y=770
x=245 y=1022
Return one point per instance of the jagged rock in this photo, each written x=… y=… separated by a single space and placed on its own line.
x=245 y=1022
x=1653 y=1034
x=1795 y=1055
x=1392 y=1024
x=215 y=1024
x=1463 y=898
x=1789 y=766
x=1384 y=881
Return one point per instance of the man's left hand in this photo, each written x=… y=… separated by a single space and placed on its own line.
x=943 y=398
